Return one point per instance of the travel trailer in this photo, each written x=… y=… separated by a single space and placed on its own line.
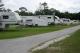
x=48 y=18
x=33 y=21
x=7 y=18
x=66 y=21
x=40 y=20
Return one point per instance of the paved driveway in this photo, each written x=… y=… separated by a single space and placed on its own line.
x=22 y=45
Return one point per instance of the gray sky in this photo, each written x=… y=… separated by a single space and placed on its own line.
x=32 y=5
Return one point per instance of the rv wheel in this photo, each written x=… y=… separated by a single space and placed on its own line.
x=7 y=26
x=36 y=25
x=1 y=29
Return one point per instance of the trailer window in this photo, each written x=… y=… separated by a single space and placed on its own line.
x=5 y=17
x=28 y=20
x=49 y=17
x=66 y=20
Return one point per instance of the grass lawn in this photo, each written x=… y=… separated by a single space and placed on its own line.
x=69 y=45
x=14 y=32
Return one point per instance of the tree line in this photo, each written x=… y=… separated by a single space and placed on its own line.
x=45 y=10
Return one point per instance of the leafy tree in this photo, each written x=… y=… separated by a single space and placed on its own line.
x=23 y=12
x=44 y=10
x=44 y=5
x=17 y=11
x=23 y=9
x=9 y=10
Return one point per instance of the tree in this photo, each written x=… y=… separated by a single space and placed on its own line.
x=17 y=11
x=44 y=5
x=43 y=9
x=9 y=10
x=23 y=9
x=23 y=12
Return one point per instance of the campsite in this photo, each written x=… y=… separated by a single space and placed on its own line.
x=39 y=26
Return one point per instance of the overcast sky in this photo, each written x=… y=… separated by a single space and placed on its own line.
x=32 y=5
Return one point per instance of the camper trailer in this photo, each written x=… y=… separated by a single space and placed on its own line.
x=33 y=21
x=66 y=21
x=48 y=18
x=7 y=18
x=40 y=20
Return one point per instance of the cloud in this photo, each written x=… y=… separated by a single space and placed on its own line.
x=32 y=5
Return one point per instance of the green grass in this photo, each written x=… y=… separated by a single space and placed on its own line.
x=14 y=32
x=68 y=45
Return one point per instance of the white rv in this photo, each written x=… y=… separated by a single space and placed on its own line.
x=40 y=20
x=34 y=21
x=7 y=18
x=48 y=18
x=66 y=21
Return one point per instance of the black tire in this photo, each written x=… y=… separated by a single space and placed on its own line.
x=36 y=25
x=7 y=26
